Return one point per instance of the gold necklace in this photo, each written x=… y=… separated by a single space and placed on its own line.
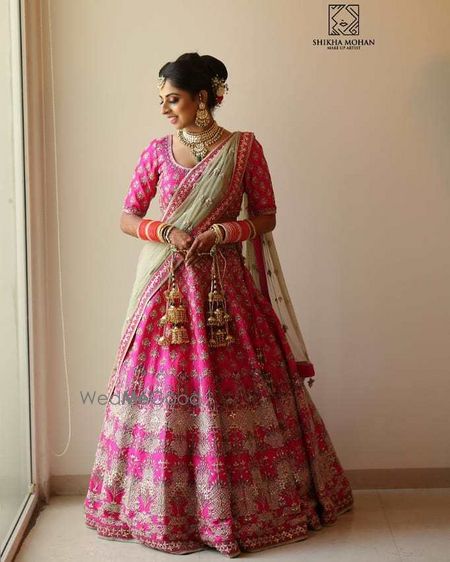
x=199 y=142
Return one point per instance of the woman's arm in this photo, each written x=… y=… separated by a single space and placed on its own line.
x=264 y=223
x=205 y=240
x=129 y=223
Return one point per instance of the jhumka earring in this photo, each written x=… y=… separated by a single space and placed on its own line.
x=218 y=317
x=175 y=316
x=202 y=118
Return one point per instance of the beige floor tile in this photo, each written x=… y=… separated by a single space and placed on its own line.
x=419 y=522
x=385 y=526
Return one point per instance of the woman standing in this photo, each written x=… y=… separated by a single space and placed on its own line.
x=210 y=437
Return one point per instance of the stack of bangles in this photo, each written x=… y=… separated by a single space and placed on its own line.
x=234 y=231
x=157 y=231
x=226 y=232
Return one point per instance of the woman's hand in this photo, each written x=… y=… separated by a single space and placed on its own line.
x=202 y=243
x=180 y=239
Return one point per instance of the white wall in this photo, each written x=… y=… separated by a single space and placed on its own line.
x=357 y=143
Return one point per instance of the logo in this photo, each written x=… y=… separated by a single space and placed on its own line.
x=343 y=29
x=343 y=19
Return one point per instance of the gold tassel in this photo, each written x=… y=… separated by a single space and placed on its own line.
x=218 y=317
x=173 y=330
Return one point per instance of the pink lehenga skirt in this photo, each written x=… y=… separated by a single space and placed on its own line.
x=207 y=447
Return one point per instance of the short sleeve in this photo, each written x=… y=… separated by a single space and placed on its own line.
x=258 y=183
x=142 y=187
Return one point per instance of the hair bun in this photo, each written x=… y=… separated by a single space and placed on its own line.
x=214 y=66
x=194 y=72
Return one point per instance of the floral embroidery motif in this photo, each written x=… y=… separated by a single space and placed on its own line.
x=229 y=451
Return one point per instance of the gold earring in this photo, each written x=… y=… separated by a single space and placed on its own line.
x=202 y=119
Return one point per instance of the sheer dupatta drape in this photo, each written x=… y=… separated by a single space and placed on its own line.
x=208 y=185
x=189 y=207
x=262 y=260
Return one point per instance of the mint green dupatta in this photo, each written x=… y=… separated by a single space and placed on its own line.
x=264 y=264
x=209 y=190
x=199 y=198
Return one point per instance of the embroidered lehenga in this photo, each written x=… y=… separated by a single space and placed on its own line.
x=230 y=451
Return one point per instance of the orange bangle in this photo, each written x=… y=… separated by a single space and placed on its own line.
x=236 y=231
x=147 y=230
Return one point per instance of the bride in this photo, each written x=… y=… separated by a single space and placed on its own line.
x=210 y=437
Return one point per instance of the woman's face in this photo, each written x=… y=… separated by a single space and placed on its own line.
x=178 y=106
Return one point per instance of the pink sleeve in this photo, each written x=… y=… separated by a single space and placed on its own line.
x=142 y=187
x=258 y=183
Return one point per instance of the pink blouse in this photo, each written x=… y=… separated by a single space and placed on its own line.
x=157 y=171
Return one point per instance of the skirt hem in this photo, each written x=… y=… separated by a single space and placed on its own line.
x=232 y=551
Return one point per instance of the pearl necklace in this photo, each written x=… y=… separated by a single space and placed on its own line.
x=199 y=142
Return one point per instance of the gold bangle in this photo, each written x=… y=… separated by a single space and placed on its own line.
x=222 y=230
x=169 y=230
x=159 y=231
x=164 y=232
x=218 y=232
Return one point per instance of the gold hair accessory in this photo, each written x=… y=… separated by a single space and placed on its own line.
x=160 y=81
